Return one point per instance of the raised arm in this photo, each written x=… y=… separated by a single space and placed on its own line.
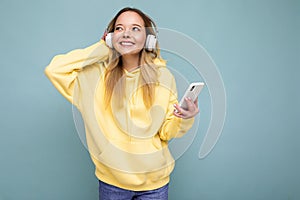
x=63 y=69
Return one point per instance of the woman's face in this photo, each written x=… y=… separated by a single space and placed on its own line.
x=129 y=33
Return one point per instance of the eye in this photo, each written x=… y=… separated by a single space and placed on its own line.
x=136 y=28
x=118 y=28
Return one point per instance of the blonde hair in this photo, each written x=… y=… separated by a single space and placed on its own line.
x=114 y=83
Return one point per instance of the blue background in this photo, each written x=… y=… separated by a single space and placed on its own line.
x=256 y=46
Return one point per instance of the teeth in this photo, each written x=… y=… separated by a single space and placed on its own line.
x=126 y=43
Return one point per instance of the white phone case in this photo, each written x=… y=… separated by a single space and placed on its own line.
x=192 y=92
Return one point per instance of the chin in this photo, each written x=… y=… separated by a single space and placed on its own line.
x=130 y=52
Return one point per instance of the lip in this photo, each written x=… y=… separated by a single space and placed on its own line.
x=126 y=43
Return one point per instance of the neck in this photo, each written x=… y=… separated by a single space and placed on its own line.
x=130 y=62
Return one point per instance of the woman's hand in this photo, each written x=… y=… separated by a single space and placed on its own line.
x=104 y=35
x=191 y=111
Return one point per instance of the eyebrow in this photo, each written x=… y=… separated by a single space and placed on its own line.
x=131 y=24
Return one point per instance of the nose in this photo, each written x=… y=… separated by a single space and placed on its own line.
x=126 y=33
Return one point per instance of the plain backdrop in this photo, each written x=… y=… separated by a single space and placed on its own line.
x=255 y=45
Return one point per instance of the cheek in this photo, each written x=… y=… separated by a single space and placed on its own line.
x=141 y=39
x=116 y=37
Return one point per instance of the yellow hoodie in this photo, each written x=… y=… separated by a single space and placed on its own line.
x=127 y=144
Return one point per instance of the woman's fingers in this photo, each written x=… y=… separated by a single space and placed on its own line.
x=192 y=109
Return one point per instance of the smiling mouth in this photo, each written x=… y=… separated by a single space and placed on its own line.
x=126 y=43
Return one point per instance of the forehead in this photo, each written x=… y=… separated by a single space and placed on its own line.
x=129 y=18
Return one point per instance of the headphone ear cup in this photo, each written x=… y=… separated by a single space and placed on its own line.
x=108 y=40
x=150 y=42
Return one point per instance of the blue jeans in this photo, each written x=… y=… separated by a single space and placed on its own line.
x=110 y=192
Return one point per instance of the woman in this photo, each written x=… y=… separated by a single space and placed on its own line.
x=128 y=101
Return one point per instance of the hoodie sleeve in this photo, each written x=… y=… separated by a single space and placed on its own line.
x=63 y=69
x=174 y=126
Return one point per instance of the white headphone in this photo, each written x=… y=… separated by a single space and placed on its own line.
x=150 y=43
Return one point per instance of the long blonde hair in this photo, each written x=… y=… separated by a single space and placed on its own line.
x=149 y=71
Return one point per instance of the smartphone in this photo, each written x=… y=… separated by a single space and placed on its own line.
x=192 y=92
